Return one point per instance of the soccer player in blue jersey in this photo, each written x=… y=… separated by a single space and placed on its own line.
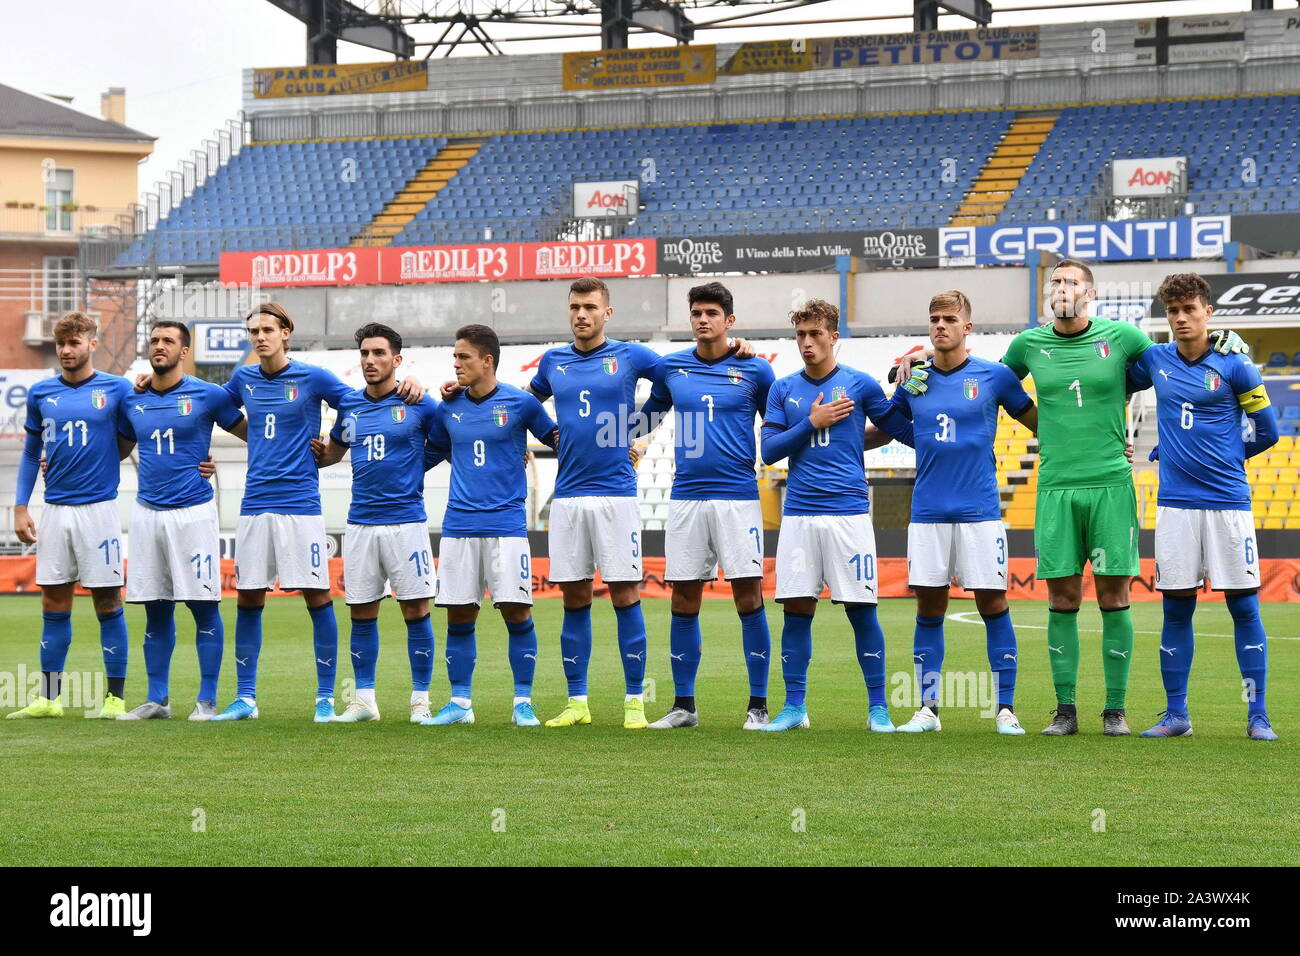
x=281 y=534
x=714 y=515
x=817 y=418
x=71 y=420
x=595 y=519
x=484 y=546
x=1204 y=525
x=387 y=540
x=956 y=528
x=175 y=551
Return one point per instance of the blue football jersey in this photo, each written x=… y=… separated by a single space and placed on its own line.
x=1199 y=420
x=78 y=428
x=486 y=441
x=173 y=432
x=955 y=422
x=283 y=416
x=826 y=473
x=594 y=396
x=386 y=437
x=715 y=404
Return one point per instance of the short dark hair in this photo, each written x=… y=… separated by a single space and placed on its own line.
x=275 y=310
x=1075 y=264
x=1183 y=285
x=586 y=284
x=817 y=310
x=484 y=339
x=373 y=330
x=173 y=324
x=714 y=292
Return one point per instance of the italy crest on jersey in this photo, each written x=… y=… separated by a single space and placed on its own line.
x=185 y=405
x=1212 y=380
x=970 y=388
x=1102 y=347
x=838 y=392
x=98 y=398
x=610 y=364
x=500 y=415
x=291 y=392
x=398 y=412
x=734 y=376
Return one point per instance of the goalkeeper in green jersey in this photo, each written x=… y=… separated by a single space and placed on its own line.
x=1087 y=505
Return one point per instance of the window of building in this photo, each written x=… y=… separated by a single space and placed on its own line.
x=58 y=193
x=60 y=284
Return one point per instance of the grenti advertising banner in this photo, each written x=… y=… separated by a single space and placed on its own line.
x=811 y=252
x=337 y=79
x=629 y=69
x=499 y=262
x=1199 y=237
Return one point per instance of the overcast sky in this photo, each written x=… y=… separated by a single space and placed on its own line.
x=180 y=60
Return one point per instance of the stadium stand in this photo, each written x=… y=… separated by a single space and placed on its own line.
x=1262 y=128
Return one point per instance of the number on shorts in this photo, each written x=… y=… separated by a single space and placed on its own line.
x=864 y=565
x=636 y=544
x=1002 y=550
x=421 y=561
x=268 y=425
x=758 y=542
x=1249 y=544
x=111 y=546
x=315 y=554
x=199 y=561
x=524 y=571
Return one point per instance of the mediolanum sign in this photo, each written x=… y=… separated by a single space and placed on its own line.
x=597 y=200
x=1158 y=176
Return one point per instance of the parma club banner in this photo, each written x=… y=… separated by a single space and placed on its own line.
x=1281 y=580
x=338 y=79
x=629 y=69
x=390 y=265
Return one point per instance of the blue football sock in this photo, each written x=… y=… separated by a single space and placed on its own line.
x=1177 y=645
x=325 y=639
x=1252 y=649
x=210 y=643
x=869 y=641
x=685 y=644
x=419 y=649
x=56 y=637
x=575 y=648
x=1000 y=641
x=796 y=655
x=632 y=645
x=113 y=641
x=365 y=651
x=462 y=652
x=756 y=641
x=159 y=644
x=522 y=648
x=927 y=657
x=248 y=647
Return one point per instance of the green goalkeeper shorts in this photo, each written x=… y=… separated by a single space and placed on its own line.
x=1078 y=525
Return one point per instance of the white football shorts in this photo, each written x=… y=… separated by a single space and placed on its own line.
x=838 y=551
x=974 y=552
x=175 y=554
x=595 y=532
x=1193 y=543
x=378 y=555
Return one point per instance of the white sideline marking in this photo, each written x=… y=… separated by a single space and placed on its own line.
x=964 y=617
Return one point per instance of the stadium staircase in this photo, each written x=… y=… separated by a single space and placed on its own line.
x=1004 y=167
x=418 y=192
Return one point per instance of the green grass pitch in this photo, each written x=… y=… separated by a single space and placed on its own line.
x=282 y=790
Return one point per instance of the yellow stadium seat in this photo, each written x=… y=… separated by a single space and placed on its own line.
x=1271 y=524
x=1277 y=509
x=1252 y=476
x=1263 y=493
x=1292 y=524
x=1285 y=443
x=1283 y=492
x=1278 y=459
x=1267 y=476
x=1259 y=510
x=1293 y=510
x=1148 y=477
x=1288 y=476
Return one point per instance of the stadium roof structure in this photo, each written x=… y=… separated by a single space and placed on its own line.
x=28 y=114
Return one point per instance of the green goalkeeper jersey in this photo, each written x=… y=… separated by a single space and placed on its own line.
x=1080 y=380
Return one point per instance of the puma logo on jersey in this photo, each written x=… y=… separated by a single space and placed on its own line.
x=250 y=388
x=794 y=401
x=53 y=400
x=140 y=409
x=1047 y=352
x=1164 y=373
x=562 y=369
x=684 y=372
x=456 y=415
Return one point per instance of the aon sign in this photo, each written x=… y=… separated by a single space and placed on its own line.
x=597 y=200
